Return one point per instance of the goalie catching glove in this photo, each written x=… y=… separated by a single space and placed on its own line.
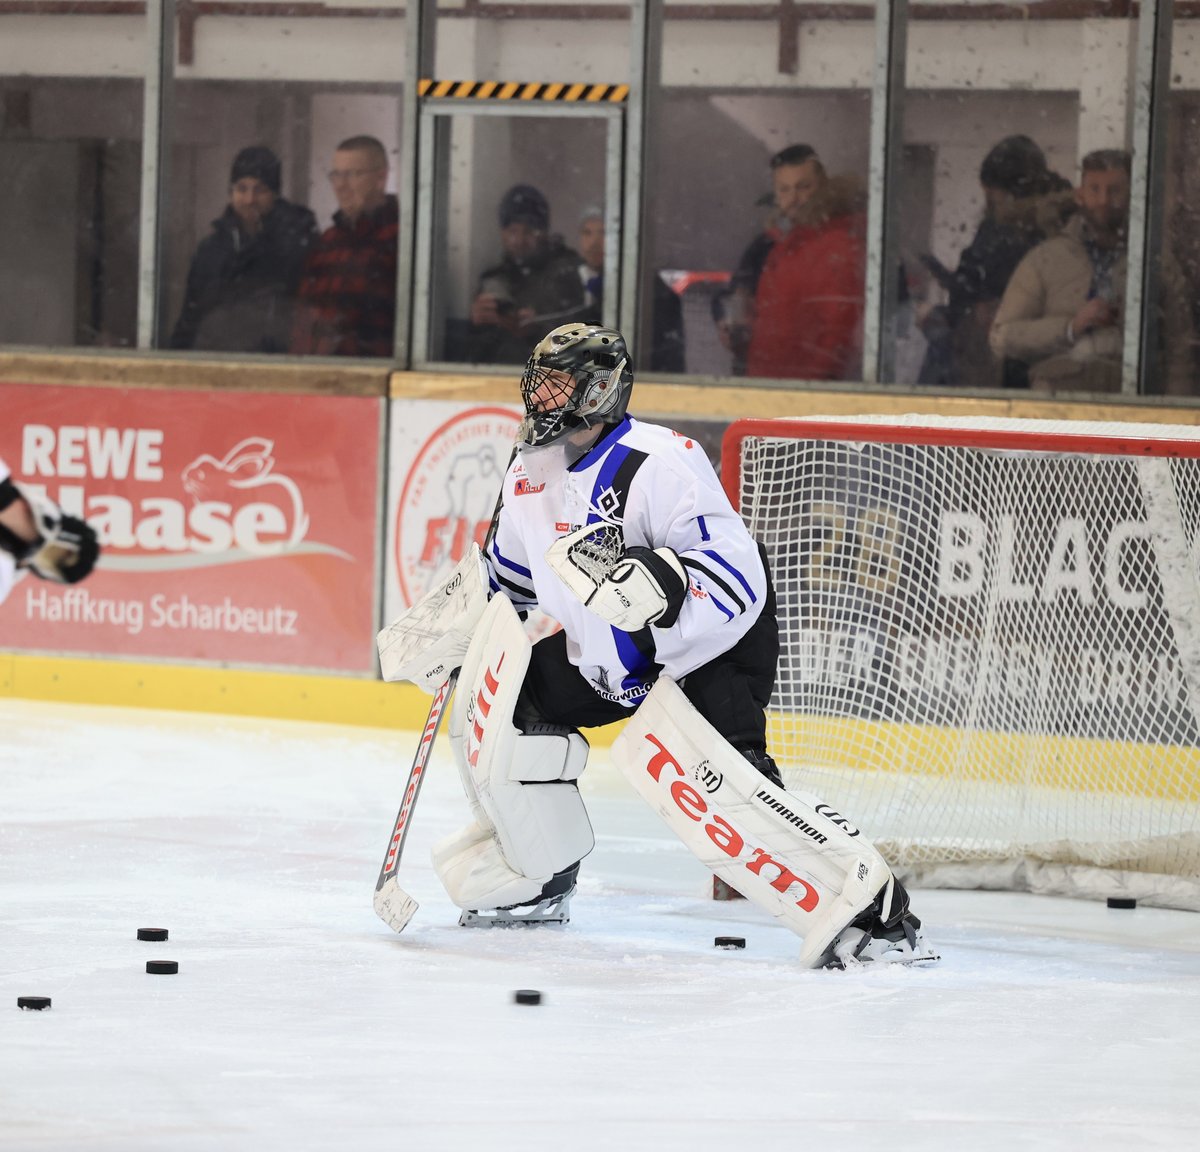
x=628 y=588
x=66 y=549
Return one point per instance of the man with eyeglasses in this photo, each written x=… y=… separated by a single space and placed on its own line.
x=348 y=293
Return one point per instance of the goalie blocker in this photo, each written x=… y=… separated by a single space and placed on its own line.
x=789 y=853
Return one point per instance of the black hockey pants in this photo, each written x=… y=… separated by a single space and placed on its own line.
x=731 y=692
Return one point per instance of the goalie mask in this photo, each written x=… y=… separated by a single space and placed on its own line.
x=578 y=376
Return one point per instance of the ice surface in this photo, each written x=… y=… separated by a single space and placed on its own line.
x=299 y=1021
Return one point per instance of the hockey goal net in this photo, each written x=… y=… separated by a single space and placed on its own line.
x=990 y=642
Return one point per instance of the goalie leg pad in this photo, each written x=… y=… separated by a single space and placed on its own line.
x=475 y=873
x=529 y=819
x=794 y=856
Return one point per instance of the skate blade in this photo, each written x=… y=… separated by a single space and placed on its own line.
x=556 y=910
x=856 y=949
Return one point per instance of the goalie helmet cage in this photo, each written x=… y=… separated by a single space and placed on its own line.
x=989 y=642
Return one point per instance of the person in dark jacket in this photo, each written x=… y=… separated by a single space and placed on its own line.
x=534 y=287
x=242 y=283
x=1025 y=201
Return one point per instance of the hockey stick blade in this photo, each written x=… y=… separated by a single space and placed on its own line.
x=393 y=905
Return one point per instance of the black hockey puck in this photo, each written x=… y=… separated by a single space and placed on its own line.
x=527 y=996
x=33 y=1003
x=162 y=967
x=730 y=942
x=152 y=934
x=1122 y=902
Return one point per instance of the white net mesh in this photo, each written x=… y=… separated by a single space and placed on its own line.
x=990 y=643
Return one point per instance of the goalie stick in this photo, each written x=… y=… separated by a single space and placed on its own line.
x=393 y=905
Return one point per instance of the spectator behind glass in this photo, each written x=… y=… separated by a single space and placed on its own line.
x=533 y=288
x=807 y=322
x=348 y=293
x=1063 y=310
x=1024 y=201
x=666 y=344
x=733 y=308
x=241 y=287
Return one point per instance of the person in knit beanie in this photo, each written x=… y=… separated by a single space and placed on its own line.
x=243 y=279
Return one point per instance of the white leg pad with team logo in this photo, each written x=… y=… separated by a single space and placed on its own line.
x=529 y=821
x=788 y=852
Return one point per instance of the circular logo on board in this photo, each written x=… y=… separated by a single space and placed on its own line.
x=449 y=495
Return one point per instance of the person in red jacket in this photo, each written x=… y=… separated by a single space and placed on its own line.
x=808 y=307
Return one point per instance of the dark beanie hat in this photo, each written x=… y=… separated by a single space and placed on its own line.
x=1016 y=165
x=259 y=162
x=524 y=204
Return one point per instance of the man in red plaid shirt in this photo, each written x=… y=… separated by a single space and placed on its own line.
x=347 y=298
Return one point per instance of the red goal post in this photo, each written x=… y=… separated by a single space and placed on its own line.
x=990 y=641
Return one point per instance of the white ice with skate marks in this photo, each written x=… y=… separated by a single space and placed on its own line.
x=299 y=1021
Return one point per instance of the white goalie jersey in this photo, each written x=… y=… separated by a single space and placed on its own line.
x=661 y=490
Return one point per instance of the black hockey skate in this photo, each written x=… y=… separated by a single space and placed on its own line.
x=552 y=906
x=886 y=933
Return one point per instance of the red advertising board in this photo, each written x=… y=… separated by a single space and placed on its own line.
x=236 y=527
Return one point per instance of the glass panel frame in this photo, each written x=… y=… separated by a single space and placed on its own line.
x=73 y=97
x=432 y=143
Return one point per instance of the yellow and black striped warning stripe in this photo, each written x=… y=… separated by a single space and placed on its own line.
x=515 y=90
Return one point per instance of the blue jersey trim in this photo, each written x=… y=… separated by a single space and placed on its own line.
x=610 y=435
x=509 y=564
x=636 y=663
x=731 y=569
x=609 y=478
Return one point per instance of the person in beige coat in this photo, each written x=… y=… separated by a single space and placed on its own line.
x=1062 y=312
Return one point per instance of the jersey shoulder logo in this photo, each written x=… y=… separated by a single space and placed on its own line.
x=608 y=505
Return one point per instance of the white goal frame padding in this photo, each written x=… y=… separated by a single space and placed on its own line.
x=990 y=642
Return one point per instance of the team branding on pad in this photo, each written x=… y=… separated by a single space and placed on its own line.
x=718 y=828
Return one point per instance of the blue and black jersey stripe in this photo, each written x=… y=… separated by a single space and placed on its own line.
x=610 y=493
x=710 y=576
x=506 y=576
